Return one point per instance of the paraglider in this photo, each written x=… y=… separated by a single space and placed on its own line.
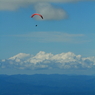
x=38 y=15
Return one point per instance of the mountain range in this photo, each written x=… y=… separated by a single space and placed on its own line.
x=43 y=84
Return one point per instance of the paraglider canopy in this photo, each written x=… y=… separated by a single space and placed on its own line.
x=36 y=14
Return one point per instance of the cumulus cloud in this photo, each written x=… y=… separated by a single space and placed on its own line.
x=43 y=60
x=50 y=12
x=20 y=56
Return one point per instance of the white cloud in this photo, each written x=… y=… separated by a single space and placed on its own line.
x=90 y=58
x=15 y=4
x=43 y=60
x=53 y=37
x=50 y=12
x=19 y=56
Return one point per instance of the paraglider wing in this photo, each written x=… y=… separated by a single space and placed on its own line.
x=37 y=14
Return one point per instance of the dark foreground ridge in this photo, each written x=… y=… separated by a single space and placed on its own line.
x=41 y=84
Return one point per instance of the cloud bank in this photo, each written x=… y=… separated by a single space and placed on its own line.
x=43 y=60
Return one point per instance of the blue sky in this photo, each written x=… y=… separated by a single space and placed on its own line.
x=67 y=27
